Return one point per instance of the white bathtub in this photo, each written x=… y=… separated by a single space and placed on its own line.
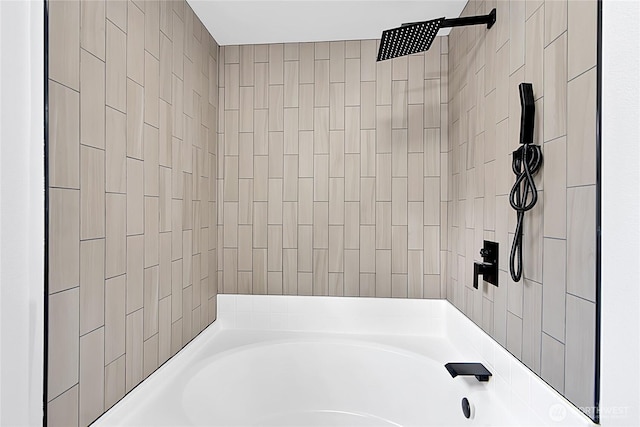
x=294 y=361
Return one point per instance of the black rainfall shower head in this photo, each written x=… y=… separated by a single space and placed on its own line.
x=417 y=37
x=408 y=39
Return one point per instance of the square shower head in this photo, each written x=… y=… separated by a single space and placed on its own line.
x=407 y=39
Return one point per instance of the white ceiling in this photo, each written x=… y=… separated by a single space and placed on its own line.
x=233 y=22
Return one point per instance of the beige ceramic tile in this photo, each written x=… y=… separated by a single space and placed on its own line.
x=245 y=247
x=134 y=353
x=246 y=109
x=135 y=272
x=320 y=225
x=399 y=285
x=246 y=65
x=92 y=257
x=431 y=250
x=152 y=27
x=116 y=232
x=352 y=49
x=135 y=197
x=383 y=274
x=534 y=52
x=274 y=248
x=368 y=65
x=305 y=247
x=581 y=244
x=555 y=88
x=92 y=195
x=399 y=201
x=305 y=103
x=166 y=64
x=321 y=130
x=164 y=280
x=415 y=220
x=351 y=273
x=275 y=201
x=367 y=284
x=553 y=362
x=166 y=18
x=383 y=82
x=554 y=280
x=415 y=123
x=517 y=28
x=581 y=130
x=245 y=202
x=276 y=108
x=164 y=202
x=177 y=98
x=135 y=44
x=64 y=136
x=63 y=349
x=290 y=272
x=580 y=350
x=336 y=106
x=260 y=224
x=321 y=84
x=352 y=225
x=336 y=284
x=151 y=89
x=336 y=201
x=150 y=356
x=116 y=151
x=555 y=17
x=352 y=130
x=555 y=193
x=336 y=61
x=352 y=177
x=415 y=274
x=135 y=112
x=290 y=182
x=367 y=249
x=582 y=34
x=367 y=201
x=64 y=238
x=320 y=272
x=432 y=103
x=176 y=290
x=114 y=382
x=383 y=129
x=64 y=43
x=92 y=100
x=290 y=225
x=150 y=298
x=416 y=76
x=336 y=248
x=276 y=155
x=91 y=376
x=383 y=177
x=178 y=46
x=276 y=57
x=259 y=271
x=383 y=225
x=399 y=249
x=399 y=104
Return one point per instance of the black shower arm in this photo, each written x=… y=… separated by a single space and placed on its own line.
x=488 y=19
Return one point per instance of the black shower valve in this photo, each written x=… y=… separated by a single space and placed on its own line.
x=488 y=268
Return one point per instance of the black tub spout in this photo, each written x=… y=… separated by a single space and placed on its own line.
x=461 y=368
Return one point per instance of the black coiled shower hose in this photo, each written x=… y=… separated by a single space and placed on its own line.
x=527 y=160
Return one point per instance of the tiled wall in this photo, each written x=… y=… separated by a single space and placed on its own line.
x=132 y=166
x=330 y=169
x=546 y=320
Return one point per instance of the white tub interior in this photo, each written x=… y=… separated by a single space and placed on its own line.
x=293 y=361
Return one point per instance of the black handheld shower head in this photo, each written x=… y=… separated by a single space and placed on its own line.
x=528 y=113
